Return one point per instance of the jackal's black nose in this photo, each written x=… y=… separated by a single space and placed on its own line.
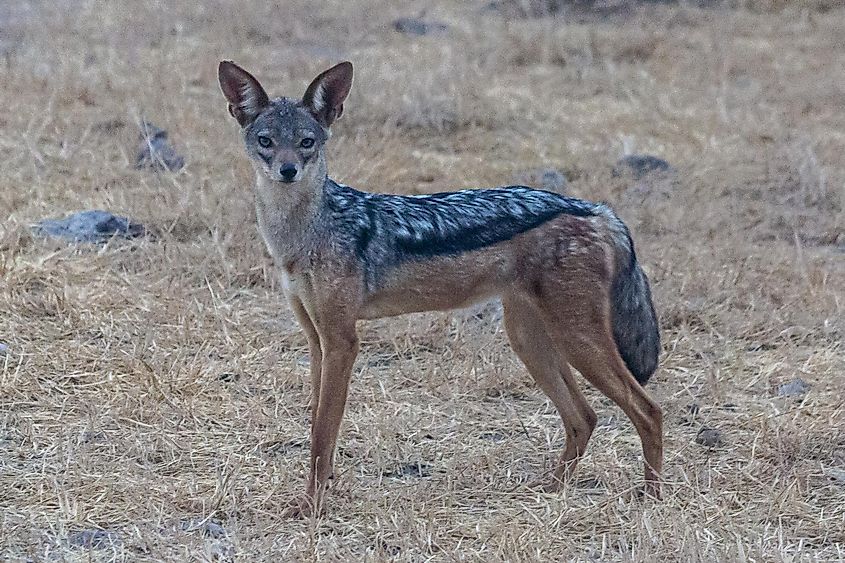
x=288 y=172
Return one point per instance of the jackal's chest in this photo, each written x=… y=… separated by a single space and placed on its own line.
x=296 y=281
x=291 y=285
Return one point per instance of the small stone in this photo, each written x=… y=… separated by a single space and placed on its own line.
x=222 y=552
x=709 y=437
x=212 y=529
x=279 y=447
x=92 y=225
x=209 y=528
x=93 y=539
x=640 y=166
x=608 y=421
x=155 y=151
x=416 y=469
x=416 y=26
x=92 y=437
x=109 y=126
x=548 y=179
x=526 y=8
x=840 y=242
x=3 y=349
x=589 y=483
x=229 y=377
x=390 y=550
x=792 y=388
x=836 y=474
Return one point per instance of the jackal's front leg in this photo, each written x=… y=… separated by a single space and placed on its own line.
x=337 y=370
x=315 y=353
x=339 y=349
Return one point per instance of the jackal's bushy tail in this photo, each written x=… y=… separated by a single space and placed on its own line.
x=635 y=327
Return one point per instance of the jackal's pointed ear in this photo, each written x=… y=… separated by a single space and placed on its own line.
x=325 y=95
x=245 y=95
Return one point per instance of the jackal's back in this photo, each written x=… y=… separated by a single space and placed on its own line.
x=400 y=228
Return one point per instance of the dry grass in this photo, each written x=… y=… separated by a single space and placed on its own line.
x=154 y=390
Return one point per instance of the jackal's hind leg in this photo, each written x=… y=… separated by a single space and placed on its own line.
x=548 y=368
x=590 y=348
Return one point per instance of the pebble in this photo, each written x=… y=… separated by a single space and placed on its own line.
x=792 y=388
x=709 y=437
x=93 y=539
x=640 y=166
x=410 y=470
x=155 y=151
x=416 y=26
x=548 y=179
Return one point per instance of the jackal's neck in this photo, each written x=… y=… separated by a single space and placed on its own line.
x=287 y=214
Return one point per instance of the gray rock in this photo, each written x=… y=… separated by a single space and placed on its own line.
x=609 y=421
x=416 y=26
x=709 y=437
x=94 y=539
x=414 y=469
x=390 y=550
x=548 y=179
x=279 y=447
x=89 y=437
x=640 y=165
x=155 y=151
x=209 y=528
x=493 y=436
x=92 y=225
x=792 y=388
x=589 y=483
x=229 y=377
x=836 y=474
x=109 y=126
x=4 y=348
x=527 y=8
x=214 y=530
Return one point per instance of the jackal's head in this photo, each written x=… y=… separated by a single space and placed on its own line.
x=285 y=137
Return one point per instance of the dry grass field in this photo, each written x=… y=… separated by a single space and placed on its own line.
x=153 y=392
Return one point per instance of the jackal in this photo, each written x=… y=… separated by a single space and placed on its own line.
x=565 y=269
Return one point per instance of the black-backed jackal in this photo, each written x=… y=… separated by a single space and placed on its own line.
x=565 y=270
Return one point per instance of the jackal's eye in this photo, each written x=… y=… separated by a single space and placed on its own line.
x=265 y=142
x=306 y=143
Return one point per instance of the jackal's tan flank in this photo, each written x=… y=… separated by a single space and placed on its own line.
x=565 y=270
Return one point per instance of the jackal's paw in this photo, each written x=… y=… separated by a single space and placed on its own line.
x=303 y=506
x=546 y=484
x=650 y=491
